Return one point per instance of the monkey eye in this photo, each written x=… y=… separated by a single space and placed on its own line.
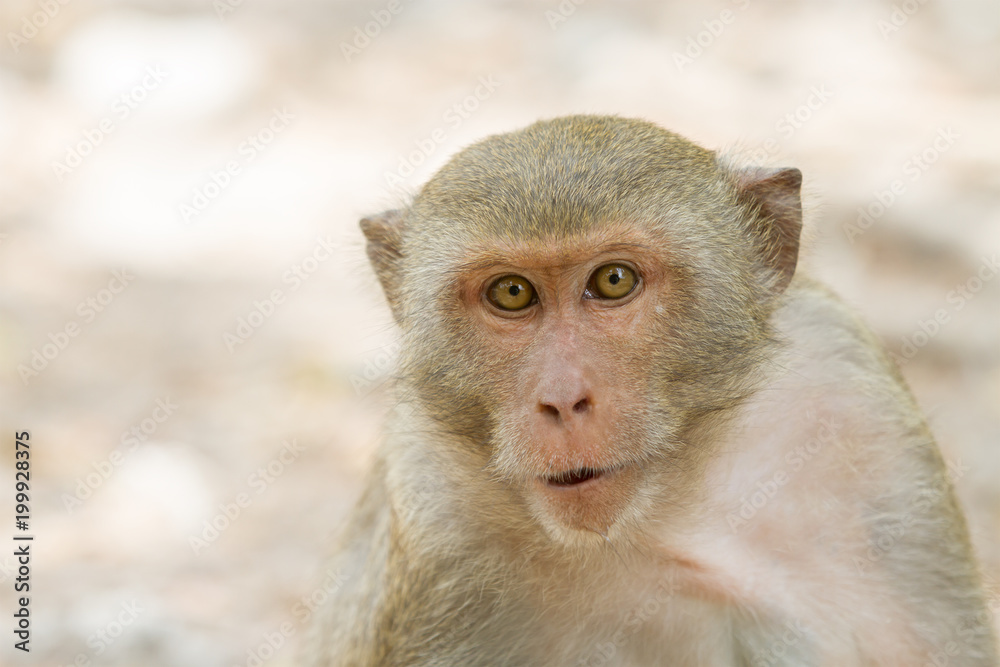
x=612 y=281
x=511 y=293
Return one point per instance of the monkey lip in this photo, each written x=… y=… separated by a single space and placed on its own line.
x=587 y=498
x=578 y=477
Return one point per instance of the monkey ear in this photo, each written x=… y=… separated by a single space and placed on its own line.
x=384 y=233
x=774 y=197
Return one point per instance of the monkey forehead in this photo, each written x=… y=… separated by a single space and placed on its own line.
x=566 y=175
x=617 y=241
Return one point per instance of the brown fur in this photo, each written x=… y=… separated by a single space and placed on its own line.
x=725 y=372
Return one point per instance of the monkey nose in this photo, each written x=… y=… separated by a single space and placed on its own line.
x=566 y=408
x=564 y=394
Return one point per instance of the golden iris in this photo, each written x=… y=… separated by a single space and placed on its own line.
x=511 y=293
x=613 y=281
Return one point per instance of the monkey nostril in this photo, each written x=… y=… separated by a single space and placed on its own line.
x=560 y=412
x=549 y=409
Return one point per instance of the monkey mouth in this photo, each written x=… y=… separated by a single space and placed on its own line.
x=587 y=498
x=577 y=477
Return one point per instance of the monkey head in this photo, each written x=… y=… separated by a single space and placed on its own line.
x=578 y=298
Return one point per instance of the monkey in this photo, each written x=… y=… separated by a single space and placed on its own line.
x=626 y=431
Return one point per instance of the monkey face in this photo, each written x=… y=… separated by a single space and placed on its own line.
x=578 y=296
x=575 y=365
x=562 y=332
x=575 y=357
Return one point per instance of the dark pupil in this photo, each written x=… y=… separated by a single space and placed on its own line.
x=514 y=290
x=614 y=278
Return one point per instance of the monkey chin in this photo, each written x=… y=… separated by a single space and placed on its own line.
x=584 y=505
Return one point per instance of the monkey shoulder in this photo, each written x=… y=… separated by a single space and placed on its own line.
x=831 y=361
x=833 y=401
x=836 y=484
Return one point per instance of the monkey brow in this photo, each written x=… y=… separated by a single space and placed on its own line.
x=566 y=255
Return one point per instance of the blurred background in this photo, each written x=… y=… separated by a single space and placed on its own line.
x=190 y=331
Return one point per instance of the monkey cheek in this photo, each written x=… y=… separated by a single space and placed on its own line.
x=593 y=506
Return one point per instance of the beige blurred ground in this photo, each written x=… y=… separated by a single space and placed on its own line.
x=880 y=93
